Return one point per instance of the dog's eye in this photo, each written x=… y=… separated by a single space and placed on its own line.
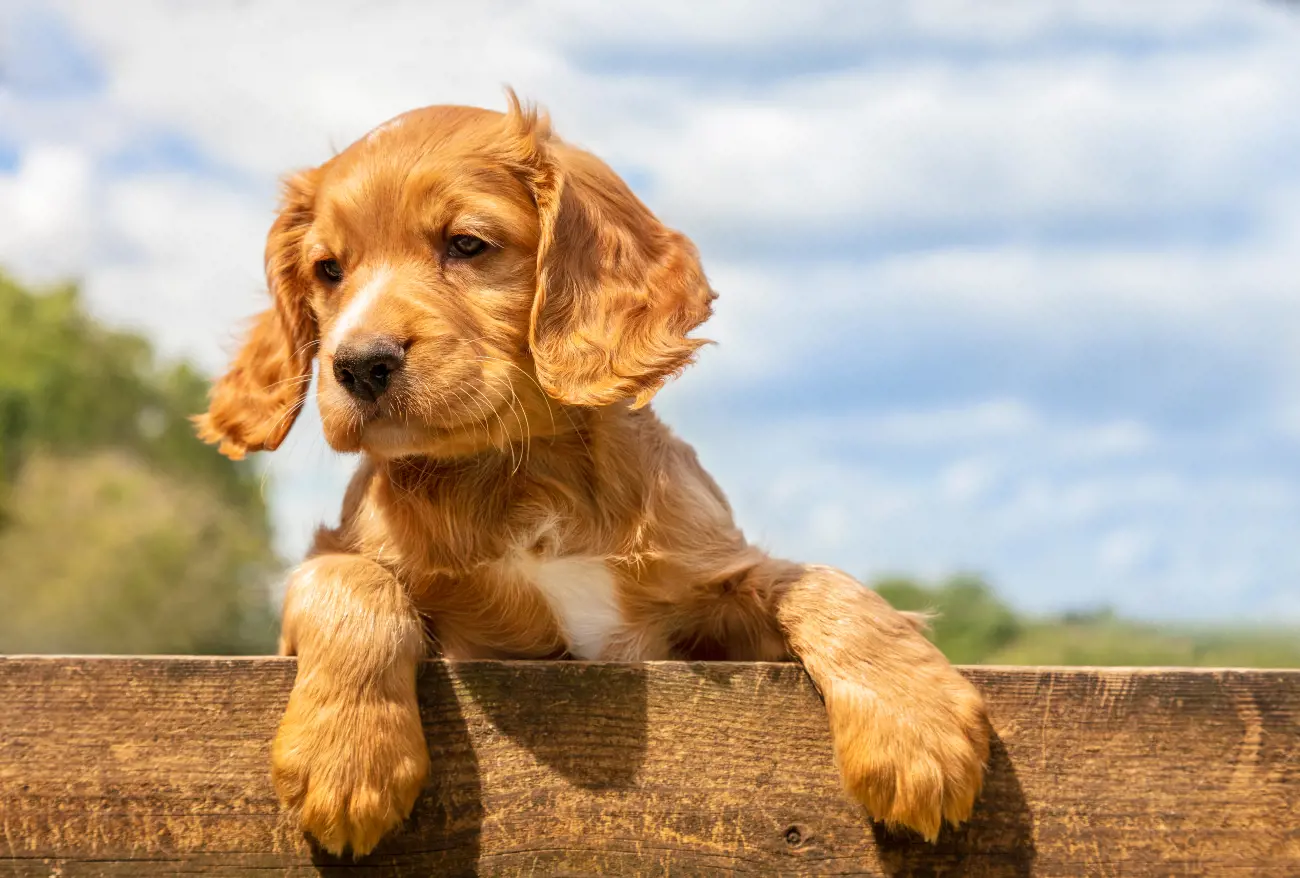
x=465 y=246
x=329 y=271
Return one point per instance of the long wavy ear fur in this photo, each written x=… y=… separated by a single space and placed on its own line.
x=253 y=405
x=617 y=291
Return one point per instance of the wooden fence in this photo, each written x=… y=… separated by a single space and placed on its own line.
x=138 y=767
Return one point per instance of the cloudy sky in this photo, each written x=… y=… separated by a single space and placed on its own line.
x=1010 y=288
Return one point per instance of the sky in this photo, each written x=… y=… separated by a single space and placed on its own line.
x=1007 y=289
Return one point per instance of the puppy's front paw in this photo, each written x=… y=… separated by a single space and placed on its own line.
x=915 y=755
x=352 y=770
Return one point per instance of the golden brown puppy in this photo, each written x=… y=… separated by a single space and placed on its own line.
x=492 y=309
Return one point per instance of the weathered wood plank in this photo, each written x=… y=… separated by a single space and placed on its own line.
x=138 y=767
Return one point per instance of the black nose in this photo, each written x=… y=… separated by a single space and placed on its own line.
x=363 y=367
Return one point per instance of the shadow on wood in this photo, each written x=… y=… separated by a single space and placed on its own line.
x=592 y=732
x=997 y=842
x=447 y=822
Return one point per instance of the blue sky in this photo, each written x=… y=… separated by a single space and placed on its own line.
x=1011 y=289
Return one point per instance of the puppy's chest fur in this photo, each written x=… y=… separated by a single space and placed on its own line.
x=506 y=579
x=581 y=593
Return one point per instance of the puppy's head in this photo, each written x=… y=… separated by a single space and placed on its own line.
x=457 y=272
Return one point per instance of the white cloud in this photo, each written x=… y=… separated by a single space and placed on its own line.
x=1118 y=439
x=274 y=86
x=1051 y=527
x=181 y=258
x=941 y=145
x=47 y=211
x=767 y=23
x=770 y=317
x=269 y=88
x=1122 y=551
x=995 y=419
x=965 y=481
x=175 y=256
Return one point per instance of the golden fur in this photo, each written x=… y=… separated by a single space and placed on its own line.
x=515 y=433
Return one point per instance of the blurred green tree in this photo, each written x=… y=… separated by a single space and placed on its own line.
x=969 y=624
x=119 y=531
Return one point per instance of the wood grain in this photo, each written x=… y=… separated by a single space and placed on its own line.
x=136 y=767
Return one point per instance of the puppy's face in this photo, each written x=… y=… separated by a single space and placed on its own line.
x=458 y=273
x=419 y=267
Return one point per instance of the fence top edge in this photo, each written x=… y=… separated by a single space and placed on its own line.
x=992 y=670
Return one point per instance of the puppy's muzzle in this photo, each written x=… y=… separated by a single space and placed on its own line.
x=364 y=367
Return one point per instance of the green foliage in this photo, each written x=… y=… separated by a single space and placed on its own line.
x=106 y=554
x=970 y=622
x=972 y=626
x=68 y=384
x=119 y=531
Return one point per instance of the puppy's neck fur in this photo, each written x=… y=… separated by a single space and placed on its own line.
x=492 y=465
x=580 y=491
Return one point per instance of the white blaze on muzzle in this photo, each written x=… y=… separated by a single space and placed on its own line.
x=354 y=315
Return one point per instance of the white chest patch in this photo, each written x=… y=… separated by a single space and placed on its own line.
x=582 y=594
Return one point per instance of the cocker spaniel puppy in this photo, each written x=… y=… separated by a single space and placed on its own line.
x=492 y=310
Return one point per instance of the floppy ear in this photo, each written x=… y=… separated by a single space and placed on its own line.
x=617 y=291
x=253 y=405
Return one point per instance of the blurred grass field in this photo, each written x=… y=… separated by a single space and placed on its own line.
x=973 y=626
